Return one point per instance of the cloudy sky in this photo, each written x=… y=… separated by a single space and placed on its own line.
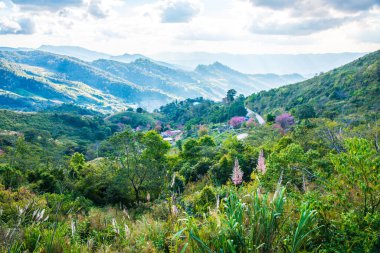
x=233 y=26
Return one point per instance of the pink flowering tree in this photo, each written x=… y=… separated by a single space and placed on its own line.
x=261 y=163
x=236 y=121
x=251 y=123
x=284 y=121
x=158 y=126
x=237 y=174
x=121 y=126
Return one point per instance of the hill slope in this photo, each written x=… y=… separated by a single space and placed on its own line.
x=35 y=79
x=352 y=88
x=38 y=75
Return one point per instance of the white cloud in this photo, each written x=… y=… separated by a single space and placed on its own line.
x=298 y=27
x=98 y=9
x=342 y=5
x=2 y=5
x=152 y=26
x=46 y=4
x=306 y=17
x=19 y=26
x=179 y=11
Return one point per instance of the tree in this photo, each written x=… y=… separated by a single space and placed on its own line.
x=77 y=163
x=236 y=121
x=203 y=130
x=359 y=169
x=290 y=163
x=305 y=112
x=142 y=157
x=270 y=117
x=285 y=121
x=236 y=108
x=231 y=95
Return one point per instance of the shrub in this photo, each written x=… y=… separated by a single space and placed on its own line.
x=205 y=200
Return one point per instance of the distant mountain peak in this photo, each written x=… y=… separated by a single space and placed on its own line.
x=74 y=51
x=134 y=55
x=143 y=60
x=216 y=66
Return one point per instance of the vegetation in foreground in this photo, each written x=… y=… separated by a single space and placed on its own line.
x=313 y=187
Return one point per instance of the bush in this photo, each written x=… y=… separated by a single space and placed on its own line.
x=205 y=200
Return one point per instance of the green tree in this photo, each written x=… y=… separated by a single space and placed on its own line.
x=290 y=163
x=305 y=111
x=358 y=168
x=143 y=158
x=231 y=95
x=76 y=164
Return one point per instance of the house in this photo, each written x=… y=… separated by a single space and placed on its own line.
x=171 y=135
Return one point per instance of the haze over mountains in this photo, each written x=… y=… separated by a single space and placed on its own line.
x=34 y=79
x=303 y=64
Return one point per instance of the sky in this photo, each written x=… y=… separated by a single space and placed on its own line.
x=215 y=26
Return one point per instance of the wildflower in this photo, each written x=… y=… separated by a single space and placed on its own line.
x=148 y=197
x=115 y=227
x=173 y=180
x=261 y=163
x=127 y=230
x=73 y=228
x=237 y=174
x=125 y=211
x=90 y=243
x=174 y=210
x=259 y=192
x=41 y=215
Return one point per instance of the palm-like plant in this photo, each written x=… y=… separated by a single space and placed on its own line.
x=302 y=233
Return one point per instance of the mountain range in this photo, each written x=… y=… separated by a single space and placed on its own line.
x=304 y=64
x=33 y=79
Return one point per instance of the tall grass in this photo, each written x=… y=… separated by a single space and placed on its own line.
x=252 y=222
x=265 y=214
x=302 y=233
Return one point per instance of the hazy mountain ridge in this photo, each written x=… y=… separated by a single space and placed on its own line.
x=86 y=84
x=113 y=85
x=303 y=64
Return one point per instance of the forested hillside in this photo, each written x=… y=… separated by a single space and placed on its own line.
x=351 y=89
x=32 y=80
x=56 y=79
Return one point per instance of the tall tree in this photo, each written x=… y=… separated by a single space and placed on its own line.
x=231 y=95
x=142 y=157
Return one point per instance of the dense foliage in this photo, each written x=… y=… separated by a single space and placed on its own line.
x=202 y=111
